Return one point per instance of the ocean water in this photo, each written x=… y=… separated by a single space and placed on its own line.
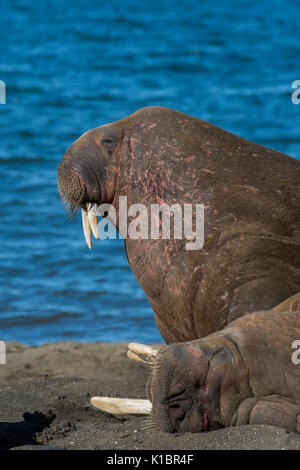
x=73 y=65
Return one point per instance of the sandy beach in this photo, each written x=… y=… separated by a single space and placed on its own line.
x=45 y=396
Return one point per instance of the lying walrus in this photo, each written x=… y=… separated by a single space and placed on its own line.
x=250 y=262
x=243 y=374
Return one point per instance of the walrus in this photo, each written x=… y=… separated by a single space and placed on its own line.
x=243 y=374
x=250 y=261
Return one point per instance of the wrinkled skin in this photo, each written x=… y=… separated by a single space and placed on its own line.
x=250 y=260
x=240 y=375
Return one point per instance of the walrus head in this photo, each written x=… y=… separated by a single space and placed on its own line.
x=188 y=385
x=87 y=174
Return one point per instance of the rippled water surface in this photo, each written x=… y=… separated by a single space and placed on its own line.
x=73 y=65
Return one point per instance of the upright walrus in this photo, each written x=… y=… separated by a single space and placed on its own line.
x=250 y=260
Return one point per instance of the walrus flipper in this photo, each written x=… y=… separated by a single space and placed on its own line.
x=262 y=294
x=273 y=410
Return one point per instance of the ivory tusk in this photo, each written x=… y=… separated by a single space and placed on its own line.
x=122 y=406
x=93 y=220
x=135 y=357
x=86 y=228
x=142 y=352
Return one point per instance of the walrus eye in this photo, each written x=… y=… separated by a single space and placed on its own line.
x=108 y=143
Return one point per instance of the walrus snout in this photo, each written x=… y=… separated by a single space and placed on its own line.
x=87 y=172
x=78 y=177
x=183 y=397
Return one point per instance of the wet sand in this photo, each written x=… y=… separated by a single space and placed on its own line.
x=45 y=396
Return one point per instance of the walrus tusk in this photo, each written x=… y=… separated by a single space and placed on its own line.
x=122 y=406
x=142 y=352
x=135 y=357
x=92 y=214
x=86 y=228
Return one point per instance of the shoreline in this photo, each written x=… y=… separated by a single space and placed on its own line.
x=45 y=396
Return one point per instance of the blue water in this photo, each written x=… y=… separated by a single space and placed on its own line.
x=72 y=65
